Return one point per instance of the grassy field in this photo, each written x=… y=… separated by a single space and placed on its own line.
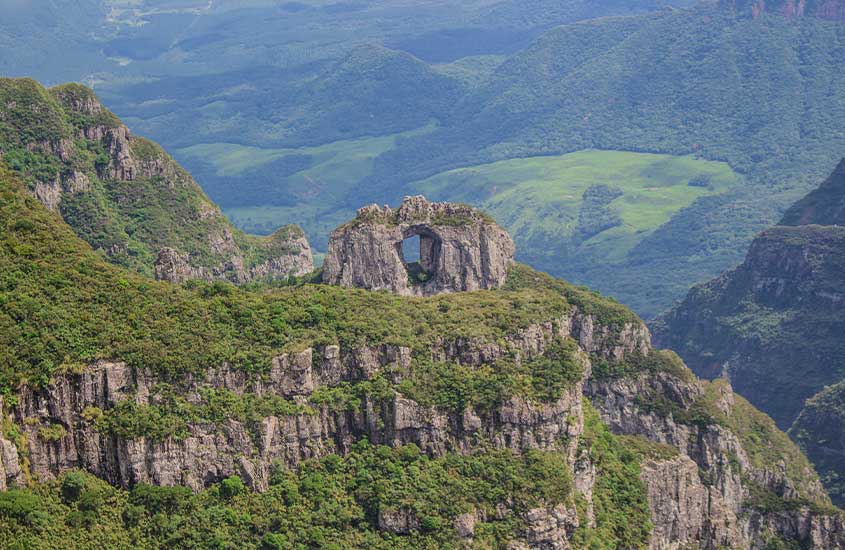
x=538 y=199
x=318 y=190
x=541 y=197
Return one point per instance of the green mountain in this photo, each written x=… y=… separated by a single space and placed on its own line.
x=774 y=325
x=124 y=195
x=725 y=89
x=140 y=413
x=497 y=127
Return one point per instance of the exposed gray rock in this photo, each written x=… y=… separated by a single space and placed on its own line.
x=697 y=499
x=551 y=529
x=49 y=193
x=398 y=521
x=465 y=525
x=296 y=260
x=679 y=503
x=460 y=250
x=712 y=473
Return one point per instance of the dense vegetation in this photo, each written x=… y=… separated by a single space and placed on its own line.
x=55 y=139
x=61 y=306
x=337 y=502
x=621 y=507
x=329 y=503
x=774 y=325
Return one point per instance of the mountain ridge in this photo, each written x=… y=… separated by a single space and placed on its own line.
x=206 y=385
x=123 y=194
x=773 y=325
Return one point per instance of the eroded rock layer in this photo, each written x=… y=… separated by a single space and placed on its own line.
x=703 y=484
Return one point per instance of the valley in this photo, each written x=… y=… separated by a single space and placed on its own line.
x=492 y=274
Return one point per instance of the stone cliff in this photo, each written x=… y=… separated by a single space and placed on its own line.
x=460 y=250
x=773 y=326
x=704 y=492
x=125 y=196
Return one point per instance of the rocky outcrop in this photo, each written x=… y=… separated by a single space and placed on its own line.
x=773 y=326
x=460 y=250
x=704 y=498
x=94 y=168
x=296 y=260
x=679 y=503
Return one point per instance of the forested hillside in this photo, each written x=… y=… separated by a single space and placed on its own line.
x=124 y=195
x=774 y=326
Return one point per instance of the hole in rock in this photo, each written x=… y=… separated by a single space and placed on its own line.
x=411 y=249
x=419 y=253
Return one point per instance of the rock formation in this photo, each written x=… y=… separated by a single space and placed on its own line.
x=460 y=250
x=126 y=197
x=176 y=267
x=699 y=497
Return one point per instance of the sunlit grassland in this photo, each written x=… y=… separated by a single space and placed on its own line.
x=543 y=195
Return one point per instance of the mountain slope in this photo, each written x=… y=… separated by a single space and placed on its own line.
x=823 y=206
x=774 y=325
x=317 y=415
x=721 y=81
x=124 y=195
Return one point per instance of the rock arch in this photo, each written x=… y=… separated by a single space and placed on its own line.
x=461 y=249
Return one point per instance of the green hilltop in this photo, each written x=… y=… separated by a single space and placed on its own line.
x=120 y=193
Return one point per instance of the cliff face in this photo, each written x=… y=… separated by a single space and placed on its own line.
x=774 y=325
x=721 y=490
x=210 y=452
x=125 y=196
x=703 y=486
x=460 y=250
